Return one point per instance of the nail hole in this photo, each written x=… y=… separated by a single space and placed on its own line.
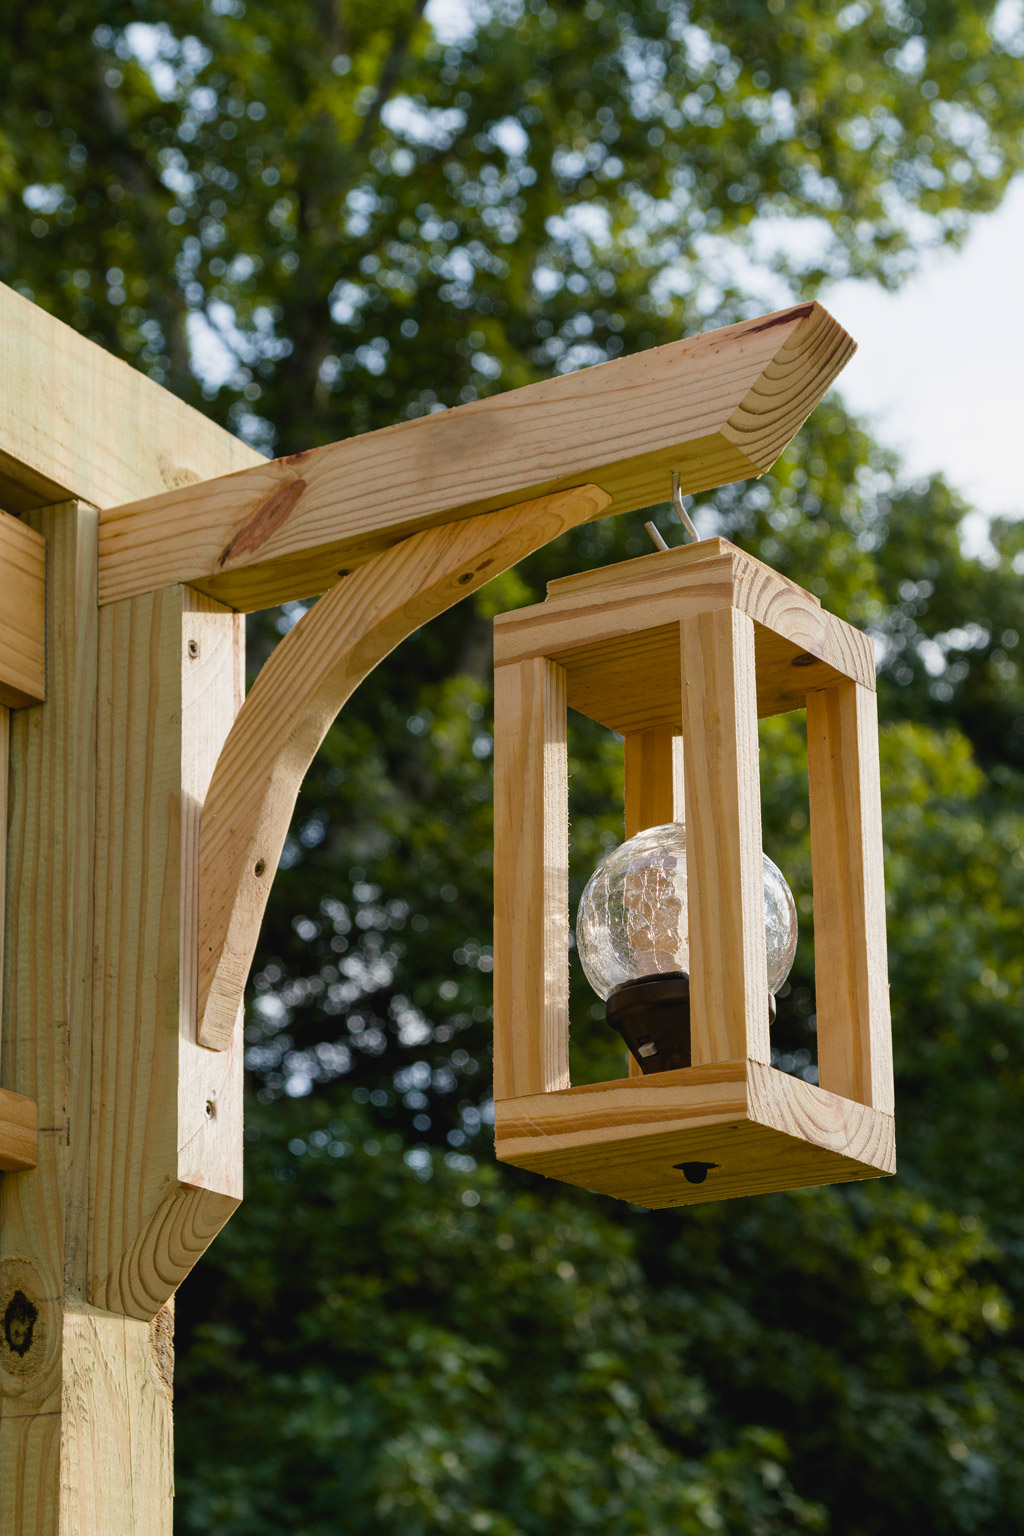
x=258 y=868
x=805 y=660
x=193 y=648
x=466 y=576
x=211 y=1109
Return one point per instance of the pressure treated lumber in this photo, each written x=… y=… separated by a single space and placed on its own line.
x=85 y=1415
x=531 y=886
x=22 y=614
x=629 y=679
x=851 y=979
x=759 y=1129
x=724 y=879
x=653 y=778
x=717 y=407
x=166 y=1162
x=78 y=422
x=300 y=690
x=653 y=790
x=19 y=1132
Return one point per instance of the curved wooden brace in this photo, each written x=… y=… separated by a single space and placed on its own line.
x=309 y=677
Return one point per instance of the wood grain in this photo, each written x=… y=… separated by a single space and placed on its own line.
x=22 y=614
x=716 y=408
x=851 y=979
x=761 y=1129
x=19 y=1132
x=45 y=1053
x=311 y=674
x=653 y=791
x=531 y=880
x=725 y=883
x=167 y=1116
x=627 y=676
x=653 y=778
x=77 y=422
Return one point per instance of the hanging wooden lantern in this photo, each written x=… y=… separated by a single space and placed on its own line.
x=681 y=652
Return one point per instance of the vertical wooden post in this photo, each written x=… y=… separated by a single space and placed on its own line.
x=85 y=1415
x=725 y=884
x=139 y=1144
x=851 y=978
x=653 y=789
x=531 y=839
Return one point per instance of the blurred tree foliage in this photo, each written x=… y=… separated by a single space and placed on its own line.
x=315 y=219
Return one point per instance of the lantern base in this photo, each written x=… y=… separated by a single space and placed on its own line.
x=652 y=1014
x=747 y=1127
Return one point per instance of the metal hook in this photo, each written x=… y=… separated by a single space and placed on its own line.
x=680 y=510
x=656 y=538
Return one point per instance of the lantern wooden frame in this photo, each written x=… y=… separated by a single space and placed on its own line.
x=686 y=649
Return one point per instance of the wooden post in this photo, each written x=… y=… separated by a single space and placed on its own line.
x=531 y=836
x=725 y=884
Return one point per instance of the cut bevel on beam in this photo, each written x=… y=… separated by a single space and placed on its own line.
x=715 y=408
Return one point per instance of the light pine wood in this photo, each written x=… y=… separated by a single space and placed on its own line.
x=725 y=884
x=739 y=634
x=653 y=790
x=19 y=1132
x=78 y=422
x=22 y=613
x=653 y=778
x=762 y=1128
x=311 y=674
x=5 y=754
x=531 y=880
x=716 y=408
x=851 y=980
x=117 y=1473
x=626 y=675
x=167 y=1115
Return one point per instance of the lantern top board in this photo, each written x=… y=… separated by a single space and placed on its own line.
x=681 y=652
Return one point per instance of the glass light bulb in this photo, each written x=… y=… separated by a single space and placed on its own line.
x=633 y=919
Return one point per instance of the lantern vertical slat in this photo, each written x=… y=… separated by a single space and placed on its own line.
x=653 y=775
x=531 y=861
x=728 y=966
x=653 y=790
x=851 y=980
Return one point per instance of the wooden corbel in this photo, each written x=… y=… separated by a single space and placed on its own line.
x=22 y=682
x=301 y=689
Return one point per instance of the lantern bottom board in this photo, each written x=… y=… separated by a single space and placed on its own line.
x=737 y=1128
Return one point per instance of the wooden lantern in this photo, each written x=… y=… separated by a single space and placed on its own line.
x=681 y=652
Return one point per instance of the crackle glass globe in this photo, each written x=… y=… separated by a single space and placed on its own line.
x=632 y=918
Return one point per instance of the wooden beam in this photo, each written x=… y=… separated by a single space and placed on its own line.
x=717 y=408
x=307 y=680
x=22 y=614
x=78 y=422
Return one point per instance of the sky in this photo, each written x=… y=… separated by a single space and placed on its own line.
x=940 y=364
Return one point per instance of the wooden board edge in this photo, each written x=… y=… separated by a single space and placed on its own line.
x=19 y=1132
